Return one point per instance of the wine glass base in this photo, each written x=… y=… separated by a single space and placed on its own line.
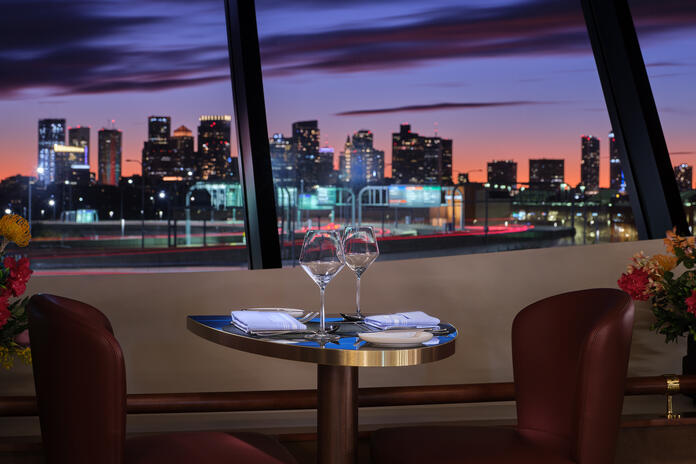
x=322 y=337
x=353 y=317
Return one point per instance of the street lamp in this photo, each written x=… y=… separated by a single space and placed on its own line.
x=142 y=200
x=52 y=204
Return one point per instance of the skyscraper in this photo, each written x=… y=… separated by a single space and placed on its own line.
x=344 y=162
x=546 y=173
x=157 y=157
x=159 y=128
x=182 y=151
x=432 y=153
x=214 y=158
x=67 y=157
x=305 y=146
x=418 y=159
x=282 y=160
x=502 y=173
x=79 y=137
x=589 y=164
x=616 y=175
x=445 y=167
x=684 y=175
x=110 y=142
x=408 y=157
x=327 y=175
x=51 y=132
x=360 y=163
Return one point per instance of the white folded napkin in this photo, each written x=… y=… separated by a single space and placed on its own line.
x=251 y=321
x=415 y=319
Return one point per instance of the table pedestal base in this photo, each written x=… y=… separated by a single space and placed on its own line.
x=337 y=419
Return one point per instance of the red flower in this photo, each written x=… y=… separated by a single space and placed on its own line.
x=691 y=303
x=18 y=277
x=4 y=312
x=635 y=284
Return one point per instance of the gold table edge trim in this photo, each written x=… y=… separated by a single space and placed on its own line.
x=331 y=357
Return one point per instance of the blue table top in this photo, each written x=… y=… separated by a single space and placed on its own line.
x=348 y=333
x=347 y=350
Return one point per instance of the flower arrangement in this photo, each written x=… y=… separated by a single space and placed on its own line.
x=671 y=291
x=14 y=275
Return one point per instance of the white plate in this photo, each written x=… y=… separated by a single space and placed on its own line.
x=291 y=311
x=396 y=338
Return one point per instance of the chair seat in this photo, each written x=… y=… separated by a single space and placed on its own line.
x=462 y=445
x=206 y=448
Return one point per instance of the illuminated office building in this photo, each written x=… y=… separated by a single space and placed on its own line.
x=432 y=153
x=684 y=175
x=344 y=162
x=282 y=160
x=110 y=143
x=157 y=157
x=617 y=180
x=214 y=160
x=546 y=173
x=408 y=157
x=79 y=137
x=305 y=147
x=159 y=129
x=589 y=164
x=67 y=156
x=445 y=163
x=502 y=173
x=360 y=163
x=51 y=132
x=420 y=159
x=182 y=151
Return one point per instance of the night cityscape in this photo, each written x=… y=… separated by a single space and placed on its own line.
x=187 y=179
x=495 y=151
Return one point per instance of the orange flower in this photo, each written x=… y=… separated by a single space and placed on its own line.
x=673 y=241
x=665 y=262
x=669 y=241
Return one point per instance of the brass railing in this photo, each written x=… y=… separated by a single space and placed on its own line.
x=162 y=403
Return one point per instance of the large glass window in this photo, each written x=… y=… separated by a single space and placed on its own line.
x=451 y=127
x=667 y=35
x=118 y=135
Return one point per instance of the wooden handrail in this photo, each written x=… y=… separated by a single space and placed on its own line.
x=162 y=403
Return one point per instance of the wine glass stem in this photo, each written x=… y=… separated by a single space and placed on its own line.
x=322 y=318
x=357 y=297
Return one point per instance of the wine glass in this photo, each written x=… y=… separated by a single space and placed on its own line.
x=322 y=258
x=360 y=249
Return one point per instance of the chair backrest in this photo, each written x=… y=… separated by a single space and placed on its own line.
x=80 y=381
x=570 y=357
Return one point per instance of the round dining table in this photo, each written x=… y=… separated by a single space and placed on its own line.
x=337 y=369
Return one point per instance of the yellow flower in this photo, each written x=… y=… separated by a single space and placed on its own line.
x=665 y=262
x=14 y=228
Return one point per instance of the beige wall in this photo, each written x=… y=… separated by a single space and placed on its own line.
x=480 y=294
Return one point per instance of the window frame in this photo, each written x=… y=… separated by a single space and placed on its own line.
x=653 y=190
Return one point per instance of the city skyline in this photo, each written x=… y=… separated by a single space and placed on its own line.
x=511 y=102
x=160 y=132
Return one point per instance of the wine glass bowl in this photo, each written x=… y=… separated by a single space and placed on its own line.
x=361 y=250
x=322 y=258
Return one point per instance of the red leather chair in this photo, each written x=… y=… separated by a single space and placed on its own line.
x=81 y=392
x=570 y=356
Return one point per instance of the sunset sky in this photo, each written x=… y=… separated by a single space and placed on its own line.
x=504 y=79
